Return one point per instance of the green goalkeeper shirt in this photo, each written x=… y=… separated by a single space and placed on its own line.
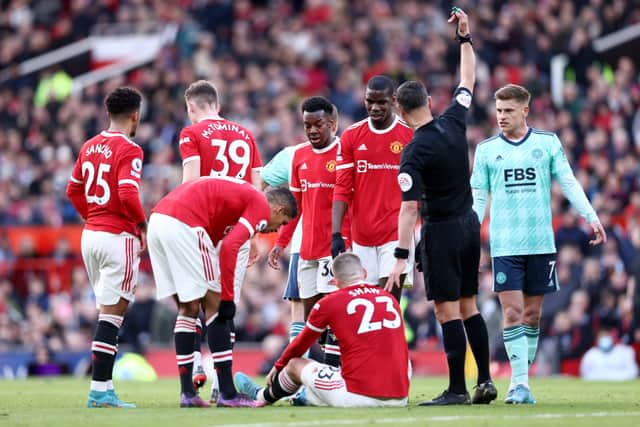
x=518 y=177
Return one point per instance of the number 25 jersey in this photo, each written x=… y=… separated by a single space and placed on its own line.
x=224 y=148
x=106 y=162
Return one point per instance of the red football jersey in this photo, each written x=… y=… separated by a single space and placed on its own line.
x=367 y=177
x=217 y=204
x=313 y=174
x=224 y=148
x=368 y=323
x=105 y=162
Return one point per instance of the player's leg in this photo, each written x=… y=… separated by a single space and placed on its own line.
x=112 y=263
x=184 y=334
x=324 y=285
x=442 y=274
x=474 y=324
x=509 y=280
x=292 y=294
x=183 y=266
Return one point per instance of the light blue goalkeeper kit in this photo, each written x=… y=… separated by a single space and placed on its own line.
x=518 y=177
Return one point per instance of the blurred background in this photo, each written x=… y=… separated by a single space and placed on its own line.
x=58 y=59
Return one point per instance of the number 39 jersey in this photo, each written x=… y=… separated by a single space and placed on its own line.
x=224 y=148
x=368 y=324
x=105 y=162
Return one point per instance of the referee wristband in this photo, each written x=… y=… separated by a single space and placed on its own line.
x=464 y=39
x=401 y=253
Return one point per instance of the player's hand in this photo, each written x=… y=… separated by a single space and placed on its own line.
x=394 y=277
x=274 y=257
x=598 y=230
x=253 y=252
x=271 y=376
x=143 y=241
x=461 y=19
x=337 y=245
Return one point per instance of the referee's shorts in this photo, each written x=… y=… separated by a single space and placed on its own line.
x=451 y=257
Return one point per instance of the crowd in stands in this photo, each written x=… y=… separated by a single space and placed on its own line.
x=265 y=57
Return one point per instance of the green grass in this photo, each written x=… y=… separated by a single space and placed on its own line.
x=565 y=402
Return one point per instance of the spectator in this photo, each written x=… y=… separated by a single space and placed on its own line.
x=608 y=361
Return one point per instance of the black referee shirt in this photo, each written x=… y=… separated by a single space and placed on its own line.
x=435 y=164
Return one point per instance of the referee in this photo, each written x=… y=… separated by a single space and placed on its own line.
x=436 y=164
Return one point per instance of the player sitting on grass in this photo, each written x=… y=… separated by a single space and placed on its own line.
x=367 y=322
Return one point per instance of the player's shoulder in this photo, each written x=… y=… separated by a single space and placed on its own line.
x=545 y=139
x=357 y=126
x=302 y=149
x=543 y=133
x=486 y=143
x=401 y=124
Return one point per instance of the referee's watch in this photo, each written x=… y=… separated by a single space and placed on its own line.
x=401 y=253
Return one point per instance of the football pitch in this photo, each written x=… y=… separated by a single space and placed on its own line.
x=561 y=401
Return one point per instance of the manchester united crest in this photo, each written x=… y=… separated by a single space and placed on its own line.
x=331 y=165
x=396 y=147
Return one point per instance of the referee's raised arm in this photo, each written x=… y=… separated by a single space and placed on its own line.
x=467 y=55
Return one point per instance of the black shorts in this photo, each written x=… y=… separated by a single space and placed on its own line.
x=531 y=274
x=451 y=257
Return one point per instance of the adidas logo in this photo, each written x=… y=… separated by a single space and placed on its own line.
x=498 y=158
x=304 y=166
x=362 y=147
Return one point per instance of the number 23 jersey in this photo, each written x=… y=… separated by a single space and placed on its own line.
x=224 y=148
x=368 y=324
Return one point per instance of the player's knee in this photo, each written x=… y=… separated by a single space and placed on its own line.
x=189 y=309
x=513 y=314
x=294 y=369
x=532 y=318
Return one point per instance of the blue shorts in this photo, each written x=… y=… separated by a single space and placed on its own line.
x=291 y=291
x=531 y=274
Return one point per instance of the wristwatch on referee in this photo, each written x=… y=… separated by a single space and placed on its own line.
x=401 y=253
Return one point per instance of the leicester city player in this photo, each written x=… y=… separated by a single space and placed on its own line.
x=516 y=167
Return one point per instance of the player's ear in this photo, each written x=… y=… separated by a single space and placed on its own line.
x=429 y=102
x=525 y=110
x=364 y=273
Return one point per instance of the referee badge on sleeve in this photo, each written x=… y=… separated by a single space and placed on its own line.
x=405 y=182
x=464 y=98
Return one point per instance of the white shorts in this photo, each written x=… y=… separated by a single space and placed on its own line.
x=185 y=262
x=379 y=261
x=314 y=276
x=326 y=387
x=112 y=262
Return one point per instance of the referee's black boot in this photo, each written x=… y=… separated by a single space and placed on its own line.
x=448 y=398
x=485 y=393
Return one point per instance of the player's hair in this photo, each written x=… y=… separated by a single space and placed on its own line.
x=381 y=83
x=412 y=95
x=202 y=92
x=515 y=92
x=319 y=103
x=347 y=268
x=123 y=100
x=283 y=197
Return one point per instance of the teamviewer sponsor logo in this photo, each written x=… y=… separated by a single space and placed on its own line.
x=361 y=166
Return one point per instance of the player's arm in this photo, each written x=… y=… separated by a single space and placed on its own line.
x=285 y=233
x=129 y=176
x=467 y=55
x=75 y=192
x=342 y=192
x=190 y=156
x=572 y=190
x=229 y=249
x=479 y=185
x=410 y=182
